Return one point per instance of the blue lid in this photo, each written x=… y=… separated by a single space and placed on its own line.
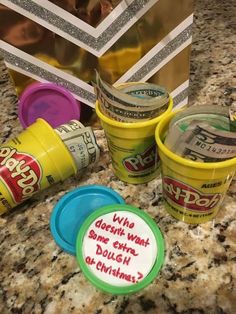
x=72 y=210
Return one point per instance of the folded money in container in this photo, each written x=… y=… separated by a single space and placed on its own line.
x=203 y=134
x=131 y=102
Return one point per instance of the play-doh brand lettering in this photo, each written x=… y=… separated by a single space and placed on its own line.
x=20 y=172
x=132 y=147
x=185 y=195
x=193 y=191
x=34 y=160
x=142 y=162
x=41 y=156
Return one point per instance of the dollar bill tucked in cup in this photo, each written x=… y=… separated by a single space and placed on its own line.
x=198 y=162
x=81 y=142
x=205 y=134
x=131 y=102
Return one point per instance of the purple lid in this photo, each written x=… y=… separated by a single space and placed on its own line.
x=48 y=101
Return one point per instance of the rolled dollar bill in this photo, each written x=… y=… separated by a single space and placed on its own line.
x=131 y=102
x=188 y=128
x=216 y=116
x=184 y=124
x=128 y=99
x=203 y=139
x=122 y=113
x=195 y=155
x=81 y=142
x=83 y=146
x=68 y=127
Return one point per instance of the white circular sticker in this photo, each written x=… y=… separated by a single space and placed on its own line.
x=119 y=248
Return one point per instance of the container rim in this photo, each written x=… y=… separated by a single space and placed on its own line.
x=132 y=125
x=192 y=164
x=104 y=286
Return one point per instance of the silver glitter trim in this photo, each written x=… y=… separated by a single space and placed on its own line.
x=47 y=75
x=180 y=97
x=77 y=33
x=50 y=77
x=161 y=55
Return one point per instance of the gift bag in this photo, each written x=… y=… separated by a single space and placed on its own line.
x=65 y=41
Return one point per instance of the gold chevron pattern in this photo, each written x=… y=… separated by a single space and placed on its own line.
x=64 y=41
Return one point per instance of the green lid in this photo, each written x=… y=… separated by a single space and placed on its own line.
x=120 y=249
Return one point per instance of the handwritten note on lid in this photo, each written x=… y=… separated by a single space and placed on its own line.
x=119 y=248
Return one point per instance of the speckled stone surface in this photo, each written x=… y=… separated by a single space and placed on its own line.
x=199 y=272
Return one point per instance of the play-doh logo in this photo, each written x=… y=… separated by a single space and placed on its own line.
x=188 y=197
x=20 y=172
x=142 y=161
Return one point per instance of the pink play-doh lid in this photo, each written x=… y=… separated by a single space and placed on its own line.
x=48 y=101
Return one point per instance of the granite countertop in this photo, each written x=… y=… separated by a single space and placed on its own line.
x=199 y=272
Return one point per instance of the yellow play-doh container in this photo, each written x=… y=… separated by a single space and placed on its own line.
x=132 y=147
x=32 y=161
x=192 y=191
